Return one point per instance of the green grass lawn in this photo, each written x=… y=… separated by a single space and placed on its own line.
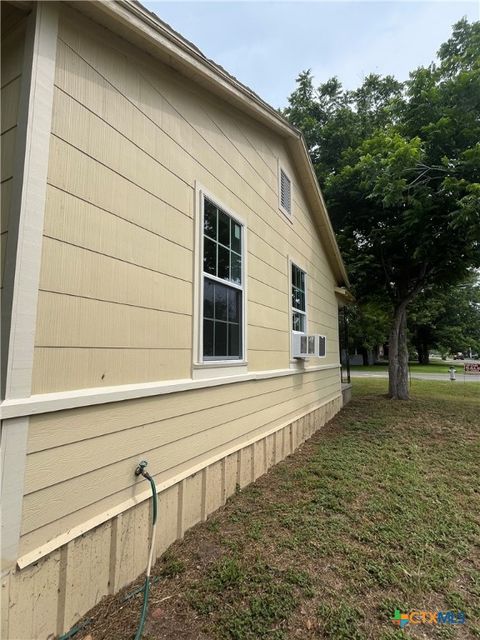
x=434 y=367
x=378 y=511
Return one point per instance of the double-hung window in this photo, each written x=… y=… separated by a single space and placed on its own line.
x=223 y=287
x=299 y=308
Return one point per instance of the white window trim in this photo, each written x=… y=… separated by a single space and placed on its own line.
x=286 y=213
x=201 y=368
x=292 y=263
x=300 y=265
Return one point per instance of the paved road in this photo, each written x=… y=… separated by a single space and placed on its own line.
x=416 y=376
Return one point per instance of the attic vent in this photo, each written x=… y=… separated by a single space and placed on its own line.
x=285 y=192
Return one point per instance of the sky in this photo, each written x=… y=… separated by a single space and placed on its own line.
x=266 y=44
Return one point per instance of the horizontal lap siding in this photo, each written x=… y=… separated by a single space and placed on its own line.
x=3 y=248
x=115 y=300
x=89 y=454
x=142 y=286
x=81 y=184
x=48 y=597
x=8 y=152
x=61 y=367
x=129 y=140
x=12 y=56
x=85 y=323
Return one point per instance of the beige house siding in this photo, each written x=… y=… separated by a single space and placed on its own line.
x=50 y=595
x=132 y=144
x=129 y=140
x=80 y=462
x=13 y=41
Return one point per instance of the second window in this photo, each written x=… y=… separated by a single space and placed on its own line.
x=299 y=306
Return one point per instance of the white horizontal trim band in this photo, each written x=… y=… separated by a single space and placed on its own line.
x=88 y=525
x=61 y=400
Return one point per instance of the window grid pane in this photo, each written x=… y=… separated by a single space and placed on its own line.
x=299 y=320
x=222 y=244
x=222 y=304
x=223 y=229
x=208 y=333
x=222 y=332
x=223 y=260
x=236 y=236
x=210 y=220
x=209 y=257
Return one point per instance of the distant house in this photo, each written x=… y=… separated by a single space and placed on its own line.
x=171 y=285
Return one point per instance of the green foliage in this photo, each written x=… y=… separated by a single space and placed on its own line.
x=171 y=565
x=333 y=120
x=447 y=318
x=340 y=622
x=253 y=598
x=399 y=164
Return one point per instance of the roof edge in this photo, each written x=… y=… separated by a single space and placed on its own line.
x=146 y=26
x=343 y=294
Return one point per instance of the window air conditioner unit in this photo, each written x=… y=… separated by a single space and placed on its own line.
x=303 y=346
x=320 y=346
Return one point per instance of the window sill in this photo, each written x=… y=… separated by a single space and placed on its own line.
x=206 y=370
x=88 y=397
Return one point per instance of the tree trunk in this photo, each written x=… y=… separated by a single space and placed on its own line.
x=398 y=355
x=422 y=347
x=365 y=356
x=424 y=356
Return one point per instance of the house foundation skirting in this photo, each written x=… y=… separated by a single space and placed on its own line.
x=346 y=393
x=49 y=596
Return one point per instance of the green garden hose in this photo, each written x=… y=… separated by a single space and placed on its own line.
x=140 y=470
x=74 y=630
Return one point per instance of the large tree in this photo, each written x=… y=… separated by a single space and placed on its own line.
x=399 y=164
